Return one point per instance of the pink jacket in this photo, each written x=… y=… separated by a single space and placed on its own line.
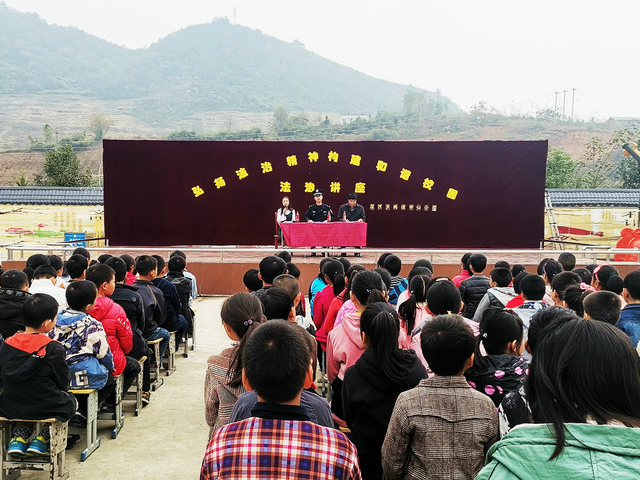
x=118 y=329
x=346 y=308
x=344 y=346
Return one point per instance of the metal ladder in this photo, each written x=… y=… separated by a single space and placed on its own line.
x=551 y=219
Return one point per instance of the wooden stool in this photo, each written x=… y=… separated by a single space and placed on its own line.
x=91 y=430
x=155 y=373
x=117 y=416
x=138 y=384
x=171 y=354
x=53 y=463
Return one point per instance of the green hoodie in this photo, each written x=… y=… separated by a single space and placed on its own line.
x=590 y=452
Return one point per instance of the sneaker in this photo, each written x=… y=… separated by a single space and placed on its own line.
x=39 y=445
x=146 y=398
x=78 y=420
x=17 y=446
x=71 y=441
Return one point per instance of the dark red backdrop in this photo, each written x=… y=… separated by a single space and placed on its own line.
x=151 y=187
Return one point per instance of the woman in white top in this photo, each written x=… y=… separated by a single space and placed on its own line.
x=286 y=213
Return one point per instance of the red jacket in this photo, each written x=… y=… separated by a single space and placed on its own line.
x=321 y=304
x=118 y=330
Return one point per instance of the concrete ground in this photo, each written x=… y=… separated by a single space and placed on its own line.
x=168 y=439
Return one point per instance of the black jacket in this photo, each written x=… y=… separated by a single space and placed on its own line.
x=129 y=299
x=183 y=286
x=353 y=215
x=368 y=398
x=155 y=310
x=472 y=290
x=11 y=302
x=318 y=213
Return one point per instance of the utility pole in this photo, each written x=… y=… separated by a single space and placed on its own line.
x=573 y=98
x=555 y=106
x=564 y=98
x=235 y=11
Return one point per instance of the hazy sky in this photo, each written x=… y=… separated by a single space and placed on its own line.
x=511 y=54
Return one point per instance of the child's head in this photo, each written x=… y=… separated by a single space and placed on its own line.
x=277 y=305
x=179 y=253
x=147 y=266
x=631 y=285
x=561 y=282
x=270 y=267
x=517 y=269
x=573 y=298
x=382 y=259
x=549 y=270
x=39 y=312
x=477 y=263
x=56 y=262
x=284 y=255
x=540 y=268
x=322 y=264
x=251 y=280
x=464 y=261
x=605 y=277
x=104 y=257
x=129 y=261
x=567 y=260
x=367 y=286
x=502 y=264
x=417 y=294
x=15 y=280
x=333 y=273
x=386 y=277
x=176 y=264
x=289 y=284
x=584 y=274
x=82 y=251
x=447 y=344
x=77 y=266
x=293 y=270
x=44 y=272
x=603 y=305
x=380 y=326
x=348 y=278
x=500 y=333
x=500 y=277
x=81 y=295
x=161 y=264
x=544 y=321
x=443 y=297
x=119 y=268
x=532 y=288
x=393 y=264
x=103 y=277
x=277 y=362
x=33 y=262
x=346 y=264
x=423 y=263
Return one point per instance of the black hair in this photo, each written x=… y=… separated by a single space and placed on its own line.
x=33 y=262
x=386 y=277
x=591 y=267
x=276 y=304
x=632 y=284
x=573 y=297
x=517 y=280
x=350 y=275
x=498 y=328
x=423 y=263
x=443 y=297
x=283 y=254
x=44 y=271
x=276 y=361
x=251 y=280
x=160 y=262
x=477 y=262
x=270 y=267
x=393 y=264
x=425 y=271
x=119 y=268
x=447 y=342
x=584 y=371
x=417 y=294
x=502 y=276
x=176 y=264
x=179 y=253
x=584 y=274
x=346 y=264
x=367 y=286
x=293 y=270
x=465 y=261
x=55 y=261
x=567 y=260
x=322 y=264
x=546 y=319
x=80 y=294
x=562 y=281
x=289 y=284
x=82 y=251
x=76 y=265
x=532 y=287
x=516 y=269
x=37 y=308
x=502 y=264
x=382 y=259
x=603 y=305
x=104 y=257
x=540 y=268
x=382 y=332
x=15 y=279
x=100 y=273
x=128 y=260
x=145 y=264
x=551 y=269
x=607 y=277
x=334 y=271
x=243 y=313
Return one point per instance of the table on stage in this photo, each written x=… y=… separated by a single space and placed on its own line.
x=330 y=234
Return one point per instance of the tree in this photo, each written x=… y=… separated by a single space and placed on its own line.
x=629 y=173
x=561 y=169
x=62 y=169
x=99 y=125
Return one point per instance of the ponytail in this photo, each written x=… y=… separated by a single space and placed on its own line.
x=364 y=284
x=498 y=328
x=418 y=294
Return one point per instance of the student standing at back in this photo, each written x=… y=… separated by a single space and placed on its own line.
x=473 y=288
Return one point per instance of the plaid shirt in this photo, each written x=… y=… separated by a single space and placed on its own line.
x=278 y=448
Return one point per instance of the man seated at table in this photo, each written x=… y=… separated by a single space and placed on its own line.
x=318 y=212
x=351 y=212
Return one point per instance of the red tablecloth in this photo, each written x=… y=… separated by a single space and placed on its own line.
x=332 y=234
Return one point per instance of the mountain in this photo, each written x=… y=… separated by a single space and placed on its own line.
x=205 y=68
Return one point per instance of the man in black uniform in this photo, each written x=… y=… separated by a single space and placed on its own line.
x=351 y=212
x=318 y=212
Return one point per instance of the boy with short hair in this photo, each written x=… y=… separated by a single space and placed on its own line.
x=251 y=280
x=278 y=441
x=44 y=281
x=14 y=292
x=277 y=305
x=499 y=294
x=602 y=305
x=174 y=320
x=473 y=288
x=35 y=377
x=431 y=422
x=175 y=275
x=188 y=274
x=567 y=260
x=77 y=267
x=398 y=283
x=629 y=321
x=533 y=290
x=270 y=267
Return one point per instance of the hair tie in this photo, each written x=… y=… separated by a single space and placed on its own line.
x=449 y=312
x=484 y=335
x=588 y=288
x=248 y=322
x=368 y=290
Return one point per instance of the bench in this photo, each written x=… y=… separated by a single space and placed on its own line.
x=138 y=384
x=155 y=373
x=91 y=429
x=117 y=416
x=171 y=354
x=11 y=468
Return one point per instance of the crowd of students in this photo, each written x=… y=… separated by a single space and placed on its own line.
x=512 y=375
x=77 y=325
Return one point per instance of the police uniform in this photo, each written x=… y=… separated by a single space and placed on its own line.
x=318 y=213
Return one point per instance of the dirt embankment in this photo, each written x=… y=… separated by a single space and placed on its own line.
x=14 y=165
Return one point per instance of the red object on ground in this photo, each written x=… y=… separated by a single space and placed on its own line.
x=330 y=234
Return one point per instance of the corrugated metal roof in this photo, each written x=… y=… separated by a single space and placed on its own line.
x=51 y=196
x=602 y=197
